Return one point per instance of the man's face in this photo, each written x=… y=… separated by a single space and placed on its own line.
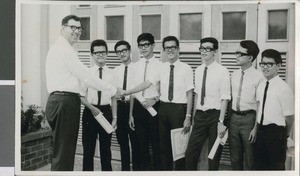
x=71 y=31
x=172 y=51
x=269 y=71
x=208 y=51
x=123 y=53
x=99 y=54
x=146 y=49
x=242 y=57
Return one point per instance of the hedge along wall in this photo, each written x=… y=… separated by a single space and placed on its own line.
x=36 y=149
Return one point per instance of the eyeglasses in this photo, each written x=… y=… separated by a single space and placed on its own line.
x=201 y=49
x=73 y=28
x=100 y=53
x=170 y=48
x=124 y=51
x=268 y=64
x=240 y=54
x=145 y=45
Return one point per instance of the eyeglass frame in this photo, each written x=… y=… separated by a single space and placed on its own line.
x=73 y=28
x=100 y=53
x=124 y=51
x=268 y=64
x=240 y=54
x=206 y=49
x=145 y=45
x=167 y=48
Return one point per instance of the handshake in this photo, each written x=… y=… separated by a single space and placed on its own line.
x=121 y=93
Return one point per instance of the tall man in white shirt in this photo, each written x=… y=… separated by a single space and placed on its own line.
x=275 y=115
x=176 y=87
x=64 y=71
x=96 y=102
x=212 y=88
x=124 y=132
x=140 y=120
x=242 y=129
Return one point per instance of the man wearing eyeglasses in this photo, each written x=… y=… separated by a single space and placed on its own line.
x=212 y=88
x=96 y=102
x=242 y=127
x=176 y=88
x=275 y=115
x=140 y=119
x=64 y=71
x=124 y=132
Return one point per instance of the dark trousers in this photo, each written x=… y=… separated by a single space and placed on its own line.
x=241 y=150
x=90 y=129
x=171 y=116
x=205 y=127
x=123 y=133
x=270 y=148
x=63 y=114
x=146 y=128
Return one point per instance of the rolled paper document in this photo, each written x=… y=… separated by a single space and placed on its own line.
x=218 y=141
x=104 y=123
x=290 y=147
x=140 y=98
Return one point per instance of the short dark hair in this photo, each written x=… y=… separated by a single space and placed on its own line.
x=210 y=40
x=274 y=54
x=98 y=42
x=252 y=48
x=122 y=42
x=170 y=38
x=66 y=19
x=146 y=36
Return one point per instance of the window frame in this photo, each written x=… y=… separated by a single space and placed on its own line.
x=151 y=14
x=105 y=26
x=187 y=13
x=91 y=29
x=287 y=27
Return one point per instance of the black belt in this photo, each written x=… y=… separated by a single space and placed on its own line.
x=124 y=101
x=208 y=111
x=242 y=112
x=64 y=93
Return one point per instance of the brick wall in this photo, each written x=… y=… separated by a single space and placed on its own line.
x=36 y=150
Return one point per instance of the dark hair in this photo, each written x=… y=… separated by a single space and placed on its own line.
x=170 y=38
x=252 y=48
x=122 y=42
x=146 y=36
x=274 y=54
x=210 y=40
x=66 y=19
x=98 y=42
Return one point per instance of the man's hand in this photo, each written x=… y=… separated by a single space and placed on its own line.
x=95 y=111
x=252 y=136
x=120 y=93
x=149 y=102
x=221 y=129
x=114 y=123
x=131 y=122
x=186 y=125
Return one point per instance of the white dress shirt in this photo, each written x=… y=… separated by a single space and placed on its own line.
x=138 y=76
x=91 y=94
x=217 y=86
x=64 y=71
x=251 y=80
x=279 y=103
x=119 y=73
x=183 y=81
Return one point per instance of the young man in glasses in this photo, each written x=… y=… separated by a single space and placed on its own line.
x=275 y=115
x=212 y=88
x=176 y=88
x=96 y=102
x=140 y=119
x=64 y=71
x=124 y=132
x=242 y=126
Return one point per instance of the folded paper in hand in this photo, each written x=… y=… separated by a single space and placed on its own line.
x=140 y=98
x=218 y=141
x=104 y=123
x=179 y=142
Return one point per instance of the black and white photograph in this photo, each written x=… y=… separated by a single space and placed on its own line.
x=100 y=85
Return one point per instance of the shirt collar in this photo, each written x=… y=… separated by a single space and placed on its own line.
x=211 y=65
x=150 y=60
x=175 y=63
x=273 y=80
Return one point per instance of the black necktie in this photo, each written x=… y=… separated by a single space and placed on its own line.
x=203 y=87
x=264 y=101
x=171 y=83
x=145 y=73
x=125 y=80
x=238 y=101
x=99 y=92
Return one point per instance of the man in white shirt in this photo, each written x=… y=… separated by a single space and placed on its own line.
x=176 y=88
x=140 y=120
x=275 y=115
x=124 y=132
x=242 y=130
x=96 y=102
x=64 y=71
x=212 y=88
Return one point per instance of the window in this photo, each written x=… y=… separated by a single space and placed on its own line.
x=115 y=27
x=234 y=25
x=190 y=26
x=152 y=24
x=85 y=23
x=277 y=24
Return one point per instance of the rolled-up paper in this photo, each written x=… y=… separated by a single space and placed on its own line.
x=218 y=141
x=140 y=98
x=290 y=147
x=104 y=123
